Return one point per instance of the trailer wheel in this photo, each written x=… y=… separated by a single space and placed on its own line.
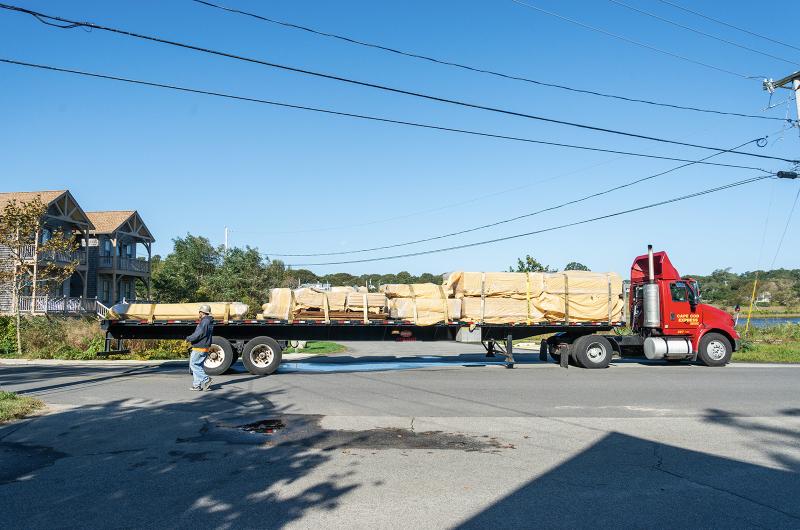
x=715 y=350
x=262 y=355
x=220 y=356
x=592 y=351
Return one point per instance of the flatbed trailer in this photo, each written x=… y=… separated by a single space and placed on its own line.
x=260 y=342
x=667 y=320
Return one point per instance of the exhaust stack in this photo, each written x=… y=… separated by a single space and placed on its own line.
x=651 y=300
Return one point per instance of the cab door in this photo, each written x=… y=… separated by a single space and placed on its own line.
x=681 y=315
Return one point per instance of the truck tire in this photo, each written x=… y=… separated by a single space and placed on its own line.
x=592 y=351
x=220 y=356
x=262 y=355
x=715 y=350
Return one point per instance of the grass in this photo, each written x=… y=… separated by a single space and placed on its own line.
x=14 y=406
x=768 y=353
x=318 y=348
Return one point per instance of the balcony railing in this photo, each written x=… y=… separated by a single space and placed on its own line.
x=47 y=304
x=124 y=263
x=29 y=251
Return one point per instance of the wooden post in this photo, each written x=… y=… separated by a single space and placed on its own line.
x=35 y=270
x=114 y=259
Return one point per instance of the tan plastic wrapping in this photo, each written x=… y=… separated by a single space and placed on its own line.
x=185 y=311
x=314 y=300
x=499 y=310
x=585 y=294
x=415 y=290
x=280 y=304
x=425 y=311
x=500 y=284
x=376 y=302
x=514 y=297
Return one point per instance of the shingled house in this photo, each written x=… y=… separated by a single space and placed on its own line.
x=114 y=255
x=108 y=261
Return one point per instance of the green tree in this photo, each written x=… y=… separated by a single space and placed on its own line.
x=576 y=266
x=182 y=276
x=243 y=276
x=530 y=265
x=27 y=262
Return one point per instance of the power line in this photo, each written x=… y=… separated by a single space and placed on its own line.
x=703 y=33
x=477 y=69
x=382 y=87
x=543 y=230
x=637 y=43
x=367 y=117
x=511 y=219
x=785 y=229
x=770 y=39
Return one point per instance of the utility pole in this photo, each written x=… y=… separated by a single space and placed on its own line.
x=226 y=240
x=790 y=82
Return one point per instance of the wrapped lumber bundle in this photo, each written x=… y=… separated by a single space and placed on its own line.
x=517 y=285
x=185 y=311
x=520 y=297
x=313 y=304
x=373 y=302
x=425 y=311
x=424 y=304
x=582 y=296
x=415 y=290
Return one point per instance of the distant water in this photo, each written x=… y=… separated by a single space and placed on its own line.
x=765 y=322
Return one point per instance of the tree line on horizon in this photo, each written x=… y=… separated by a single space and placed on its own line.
x=197 y=270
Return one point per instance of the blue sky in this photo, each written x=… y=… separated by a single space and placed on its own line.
x=296 y=182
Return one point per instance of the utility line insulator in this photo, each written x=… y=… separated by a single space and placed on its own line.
x=787 y=174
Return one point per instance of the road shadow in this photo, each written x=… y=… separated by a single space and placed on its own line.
x=626 y=482
x=130 y=464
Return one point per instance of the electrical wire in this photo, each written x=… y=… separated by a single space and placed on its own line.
x=637 y=43
x=543 y=230
x=477 y=69
x=511 y=219
x=785 y=229
x=703 y=33
x=367 y=117
x=383 y=87
x=770 y=39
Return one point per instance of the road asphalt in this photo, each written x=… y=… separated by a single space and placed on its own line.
x=365 y=439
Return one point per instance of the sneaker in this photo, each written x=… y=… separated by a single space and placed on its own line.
x=197 y=388
x=205 y=384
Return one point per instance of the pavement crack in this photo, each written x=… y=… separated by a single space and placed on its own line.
x=659 y=466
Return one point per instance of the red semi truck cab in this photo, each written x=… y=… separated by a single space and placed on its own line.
x=665 y=310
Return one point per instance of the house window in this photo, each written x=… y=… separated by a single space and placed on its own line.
x=47 y=234
x=107 y=247
x=129 y=250
x=105 y=290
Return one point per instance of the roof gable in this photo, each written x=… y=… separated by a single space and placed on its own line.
x=60 y=204
x=126 y=221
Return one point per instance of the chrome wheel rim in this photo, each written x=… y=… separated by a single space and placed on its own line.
x=262 y=355
x=596 y=352
x=716 y=350
x=215 y=357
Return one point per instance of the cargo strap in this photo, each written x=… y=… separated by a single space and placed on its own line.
x=366 y=309
x=445 y=305
x=566 y=298
x=326 y=308
x=151 y=317
x=608 y=276
x=290 y=309
x=227 y=315
x=528 y=297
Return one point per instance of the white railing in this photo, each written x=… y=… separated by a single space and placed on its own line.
x=101 y=310
x=47 y=304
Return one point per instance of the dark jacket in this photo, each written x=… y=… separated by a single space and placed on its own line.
x=201 y=338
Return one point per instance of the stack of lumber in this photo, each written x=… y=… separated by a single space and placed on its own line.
x=520 y=297
x=184 y=311
x=314 y=304
x=424 y=304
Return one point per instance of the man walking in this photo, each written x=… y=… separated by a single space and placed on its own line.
x=201 y=341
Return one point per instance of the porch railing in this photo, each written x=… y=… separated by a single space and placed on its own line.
x=29 y=252
x=124 y=263
x=48 y=304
